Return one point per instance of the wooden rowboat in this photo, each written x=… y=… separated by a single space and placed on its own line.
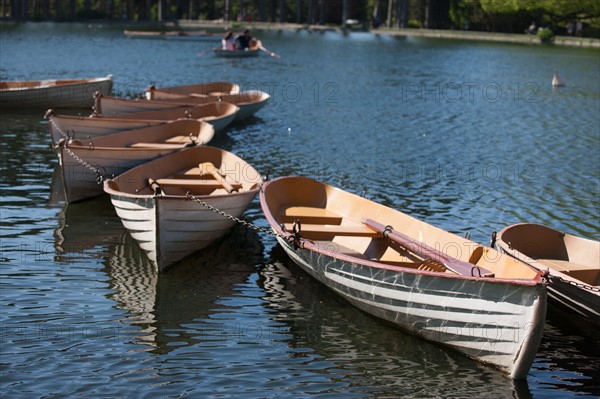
x=235 y=53
x=56 y=93
x=573 y=263
x=207 y=89
x=158 y=202
x=86 y=162
x=425 y=280
x=248 y=101
x=219 y=115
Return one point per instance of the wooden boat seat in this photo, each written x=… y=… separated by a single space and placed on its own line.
x=588 y=274
x=336 y=230
x=565 y=265
x=206 y=183
x=157 y=145
x=181 y=139
x=310 y=215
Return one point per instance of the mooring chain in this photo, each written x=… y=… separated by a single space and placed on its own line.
x=554 y=279
x=231 y=217
x=99 y=177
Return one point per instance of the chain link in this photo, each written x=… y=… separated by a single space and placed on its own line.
x=231 y=217
x=554 y=279
x=99 y=177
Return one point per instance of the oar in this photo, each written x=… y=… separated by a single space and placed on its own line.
x=261 y=47
x=209 y=169
x=203 y=53
x=456 y=265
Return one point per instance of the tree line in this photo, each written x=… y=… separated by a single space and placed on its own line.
x=481 y=15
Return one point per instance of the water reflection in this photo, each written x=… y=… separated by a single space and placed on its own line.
x=384 y=356
x=85 y=229
x=368 y=352
x=174 y=309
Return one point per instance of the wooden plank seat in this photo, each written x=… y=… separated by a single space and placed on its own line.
x=309 y=215
x=336 y=230
x=159 y=145
x=207 y=183
x=565 y=265
x=181 y=139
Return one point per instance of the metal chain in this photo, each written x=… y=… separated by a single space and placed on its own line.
x=554 y=279
x=231 y=217
x=99 y=177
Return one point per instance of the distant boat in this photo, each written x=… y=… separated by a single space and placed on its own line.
x=158 y=201
x=200 y=35
x=556 y=80
x=74 y=93
x=236 y=53
x=573 y=263
x=116 y=153
x=486 y=305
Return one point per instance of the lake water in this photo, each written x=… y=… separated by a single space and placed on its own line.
x=467 y=136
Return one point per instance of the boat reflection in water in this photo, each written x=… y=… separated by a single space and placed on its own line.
x=85 y=229
x=175 y=309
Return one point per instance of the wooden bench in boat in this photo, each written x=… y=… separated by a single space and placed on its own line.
x=158 y=145
x=565 y=265
x=309 y=215
x=207 y=183
x=589 y=274
x=336 y=230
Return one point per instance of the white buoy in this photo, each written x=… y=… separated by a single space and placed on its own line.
x=556 y=80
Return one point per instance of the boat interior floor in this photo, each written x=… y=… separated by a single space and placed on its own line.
x=204 y=179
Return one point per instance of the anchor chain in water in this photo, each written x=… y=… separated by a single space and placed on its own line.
x=64 y=144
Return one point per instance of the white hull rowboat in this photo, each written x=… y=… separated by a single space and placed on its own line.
x=158 y=201
x=219 y=115
x=249 y=102
x=485 y=305
x=53 y=93
x=85 y=163
x=573 y=263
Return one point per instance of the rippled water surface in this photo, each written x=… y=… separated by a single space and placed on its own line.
x=467 y=136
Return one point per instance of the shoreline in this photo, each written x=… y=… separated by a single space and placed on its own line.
x=570 y=41
x=221 y=26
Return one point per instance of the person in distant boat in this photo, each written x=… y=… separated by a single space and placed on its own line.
x=228 y=42
x=244 y=39
x=254 y=44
